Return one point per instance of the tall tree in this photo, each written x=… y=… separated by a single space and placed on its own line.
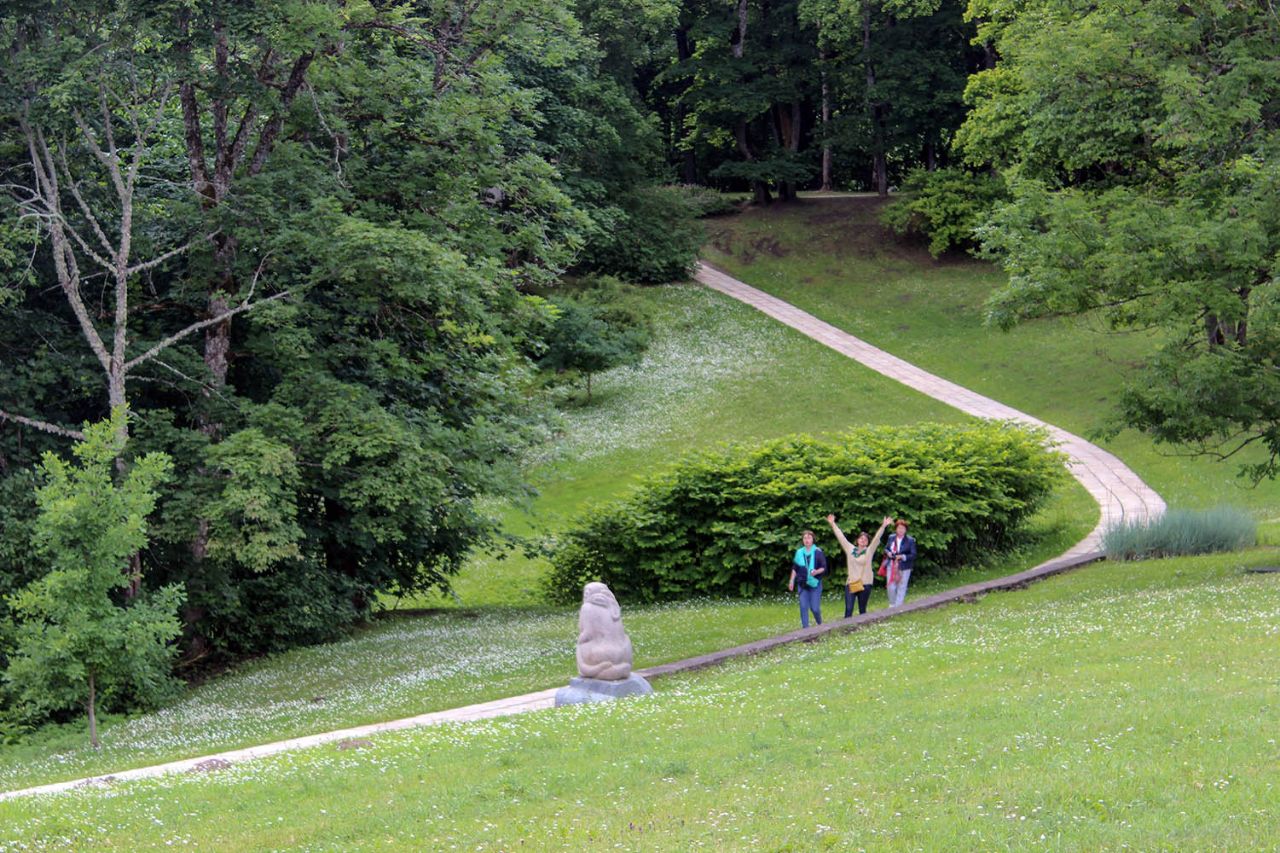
x=397 y=170
x=1141 y=150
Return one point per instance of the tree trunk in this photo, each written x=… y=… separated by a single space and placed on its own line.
x=879 y=168
x=91 y=707
x=688 y=160
x=826 y=128
x=930 y=156
x=211 y=178
x=790 y=123
x=760 y=189
x=740 y=32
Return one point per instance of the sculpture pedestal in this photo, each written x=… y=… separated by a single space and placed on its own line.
x=596 y=690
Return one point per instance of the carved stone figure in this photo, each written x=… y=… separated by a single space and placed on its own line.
x=604 y=653
x=604 y=649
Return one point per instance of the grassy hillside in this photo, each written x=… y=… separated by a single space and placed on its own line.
x=717 y=371
x=832 y=258
x=1077 y=715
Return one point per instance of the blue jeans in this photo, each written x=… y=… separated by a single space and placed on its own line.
x=810 y=602
x=898 y=591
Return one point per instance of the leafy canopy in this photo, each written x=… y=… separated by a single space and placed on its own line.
x=74 y=636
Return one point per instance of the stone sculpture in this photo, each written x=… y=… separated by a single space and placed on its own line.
x=604 y=649
x=604 y=652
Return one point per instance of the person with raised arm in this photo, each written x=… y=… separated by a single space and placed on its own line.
x=860 y=555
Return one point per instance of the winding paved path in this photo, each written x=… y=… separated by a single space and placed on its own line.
x=1119 y=491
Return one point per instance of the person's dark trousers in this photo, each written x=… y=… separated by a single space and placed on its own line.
x=810 y=602
x=862 y=598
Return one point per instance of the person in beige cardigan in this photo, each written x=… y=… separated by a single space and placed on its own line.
x=860 y=555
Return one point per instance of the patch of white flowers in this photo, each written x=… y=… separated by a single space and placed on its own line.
x=703 y=338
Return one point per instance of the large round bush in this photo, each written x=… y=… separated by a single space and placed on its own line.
x=725 y=521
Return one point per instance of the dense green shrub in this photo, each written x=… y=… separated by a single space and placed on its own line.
x=652 y=238
x=596 y=328
x=945 y=205
x=1179 y=533
x=725 y=521
x=706 y=201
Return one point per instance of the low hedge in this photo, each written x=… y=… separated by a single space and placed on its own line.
x=726 y=521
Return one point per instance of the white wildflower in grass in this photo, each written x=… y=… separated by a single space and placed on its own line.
x=703 y=340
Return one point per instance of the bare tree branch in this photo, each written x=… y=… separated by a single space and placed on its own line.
x=195 y=327
x=64 y=261
x=155 y=262
x=43 y=426
x=84 y=207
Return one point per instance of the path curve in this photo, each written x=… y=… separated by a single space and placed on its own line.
x=1121 y=494
x=1119 y=491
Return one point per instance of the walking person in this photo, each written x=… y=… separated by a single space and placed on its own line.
x=859 y=556
x=900 y=555
x=807 y=568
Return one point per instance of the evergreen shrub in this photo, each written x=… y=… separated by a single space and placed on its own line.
x=725 y=522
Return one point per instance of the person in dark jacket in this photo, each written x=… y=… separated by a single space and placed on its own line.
x=807 y=568
x=900 y=554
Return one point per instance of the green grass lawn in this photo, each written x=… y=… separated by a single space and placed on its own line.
x=1118 y=706
x=718 y=370
x=832 y=258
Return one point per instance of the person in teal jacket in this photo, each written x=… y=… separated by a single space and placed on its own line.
x=807 y=569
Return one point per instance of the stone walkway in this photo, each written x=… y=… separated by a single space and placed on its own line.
x=1120 y=493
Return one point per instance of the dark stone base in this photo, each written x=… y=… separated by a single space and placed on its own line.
x=595 y=690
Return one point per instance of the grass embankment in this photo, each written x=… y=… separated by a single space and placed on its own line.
x=1079 y=714
x=832 y=258
x=717 y=370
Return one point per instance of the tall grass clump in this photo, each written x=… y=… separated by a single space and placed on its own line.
x=1181 y=533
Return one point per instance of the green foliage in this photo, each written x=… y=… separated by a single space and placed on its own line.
x=1180 y=533
x=74 y=641
x=704 y=201
x=253 y=518
x=652 y=238
x=1140 y=151
x=335 y=444
x=945 y=205
x=596 y=331
x=724 y=522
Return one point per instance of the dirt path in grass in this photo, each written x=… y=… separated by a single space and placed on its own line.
x=1119 y=492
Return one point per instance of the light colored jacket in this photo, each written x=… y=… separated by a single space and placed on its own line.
x=860 y=567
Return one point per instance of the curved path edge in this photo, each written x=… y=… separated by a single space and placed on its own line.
x=1120 y=493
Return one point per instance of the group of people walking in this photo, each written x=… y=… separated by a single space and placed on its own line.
x=809 y=567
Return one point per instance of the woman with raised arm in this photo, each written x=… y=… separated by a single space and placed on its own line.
x=859 y=555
